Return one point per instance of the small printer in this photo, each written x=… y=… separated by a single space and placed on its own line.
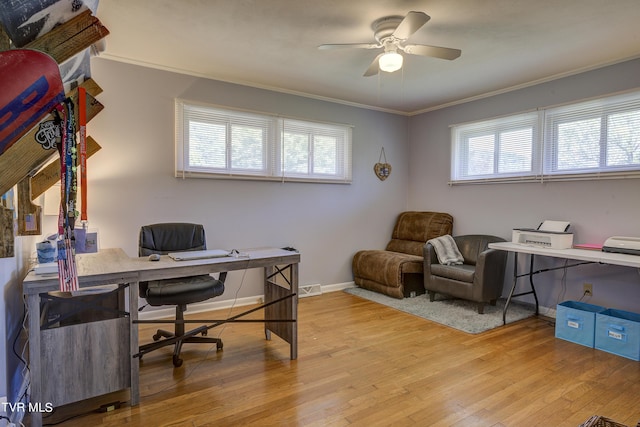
x=622 y=245
x=549 y=234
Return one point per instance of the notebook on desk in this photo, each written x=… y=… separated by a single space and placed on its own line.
x=204 y=254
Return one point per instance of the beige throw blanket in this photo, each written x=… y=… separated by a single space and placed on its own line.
x=446 y=250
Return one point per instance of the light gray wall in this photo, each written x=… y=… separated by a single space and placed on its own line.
x=131 y=180
x=596 y=209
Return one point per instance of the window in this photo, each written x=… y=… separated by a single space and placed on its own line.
x=223 y=143
x=594 y=139
x=494 y=149
x=600 y=136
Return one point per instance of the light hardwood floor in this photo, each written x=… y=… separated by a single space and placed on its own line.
x=363 y=364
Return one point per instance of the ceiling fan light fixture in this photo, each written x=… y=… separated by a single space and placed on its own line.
x=390 y=62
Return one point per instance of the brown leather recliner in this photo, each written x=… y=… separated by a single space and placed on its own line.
x=397 y=270
x=479 y=279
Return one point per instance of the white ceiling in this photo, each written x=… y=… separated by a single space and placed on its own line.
x=273 y=44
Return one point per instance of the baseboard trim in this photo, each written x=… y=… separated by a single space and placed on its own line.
x=314 y=290
x=169 y=312
x=338 y=286
x=547 y=311
x=309 y=291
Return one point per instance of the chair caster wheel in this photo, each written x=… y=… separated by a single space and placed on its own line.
x=156 y=337
x=204 y=333
x=177 y=362
x=219 y=346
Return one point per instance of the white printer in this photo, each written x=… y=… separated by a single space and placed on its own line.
x=622 y=245
x=549 y=234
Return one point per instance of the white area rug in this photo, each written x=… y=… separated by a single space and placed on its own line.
x=456 y=313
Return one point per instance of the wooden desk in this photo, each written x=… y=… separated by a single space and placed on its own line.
x=583 y=255
x=111 y=266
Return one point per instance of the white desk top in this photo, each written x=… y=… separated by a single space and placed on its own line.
x=577 y=254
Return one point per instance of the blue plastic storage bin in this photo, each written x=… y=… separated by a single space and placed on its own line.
x=618 y=332
x=576 y=322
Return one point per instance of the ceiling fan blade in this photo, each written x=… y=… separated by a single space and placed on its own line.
x=434 y=51
x=410 y=24
x=349 y=45
x=373 y=68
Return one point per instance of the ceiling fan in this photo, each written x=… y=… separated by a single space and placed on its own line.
x=391 y=33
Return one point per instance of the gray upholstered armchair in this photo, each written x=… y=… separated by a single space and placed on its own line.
x=479 y=279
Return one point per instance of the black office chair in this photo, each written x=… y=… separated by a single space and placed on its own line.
x=177 y=237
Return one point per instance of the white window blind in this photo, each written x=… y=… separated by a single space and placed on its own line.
x=494 y=149
x=223 y=143
x=230 y=143
x=315 y=150
x=600 y=136
x=587 y=140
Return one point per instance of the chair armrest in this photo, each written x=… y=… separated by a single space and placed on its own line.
x=429 y=254
x=490 y=271
x=430 y=257
x=491 y=257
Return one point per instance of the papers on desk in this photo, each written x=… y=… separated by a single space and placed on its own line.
x=204 y=254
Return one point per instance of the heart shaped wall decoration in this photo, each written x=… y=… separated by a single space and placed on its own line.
x=382 y=170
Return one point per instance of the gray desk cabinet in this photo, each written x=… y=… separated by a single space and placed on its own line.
x=84 y=360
